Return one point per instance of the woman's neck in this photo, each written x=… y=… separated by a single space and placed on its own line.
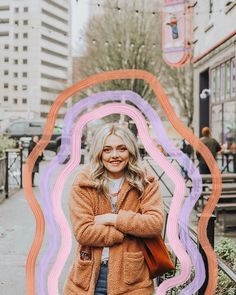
x=115 y=175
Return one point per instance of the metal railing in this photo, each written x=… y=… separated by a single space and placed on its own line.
x=11 y=172
x=2 y=177
x=193 y=234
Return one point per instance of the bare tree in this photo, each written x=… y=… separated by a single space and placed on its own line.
x=181 y=92
x=129 y=37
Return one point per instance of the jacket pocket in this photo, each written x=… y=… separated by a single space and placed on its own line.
x=83 y=273
x=133 y=267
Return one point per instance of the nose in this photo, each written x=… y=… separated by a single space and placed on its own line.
x=114 y=153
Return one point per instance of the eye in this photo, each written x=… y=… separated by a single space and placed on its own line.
x=122 y=149
x=106 y=150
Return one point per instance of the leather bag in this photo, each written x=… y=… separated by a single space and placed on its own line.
x=156 y=255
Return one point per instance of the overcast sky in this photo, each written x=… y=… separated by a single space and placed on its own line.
x=79 y=16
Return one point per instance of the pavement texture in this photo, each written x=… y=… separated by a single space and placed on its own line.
x=17 y=230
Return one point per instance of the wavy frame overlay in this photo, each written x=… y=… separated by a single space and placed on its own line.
x=176 y=123
x=160 y=159
x=168 y=146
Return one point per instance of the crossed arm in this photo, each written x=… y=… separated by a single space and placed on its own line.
x=109 y=229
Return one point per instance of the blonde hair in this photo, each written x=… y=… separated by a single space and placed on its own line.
x=134 y=172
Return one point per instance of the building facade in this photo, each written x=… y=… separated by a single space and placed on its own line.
x=35 y=56
x=214 y=38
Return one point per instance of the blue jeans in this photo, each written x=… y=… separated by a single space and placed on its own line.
x=101 y=287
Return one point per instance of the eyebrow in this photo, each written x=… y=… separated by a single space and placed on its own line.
x=118 y=146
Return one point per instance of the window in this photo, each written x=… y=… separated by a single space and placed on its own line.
x=16 y=61
x=15 y=48
x=25 y=48
x=216 y=121
x=15 y=100
x=6 y=59
x=25 y=35
x=26 y=9
x=18 y=127
x=24 y=87
x=217 y=83
x=15 y=75
x=213 y=85
x=227 y=79
x=25 y=22
x=5 y=85
x=24 y=74
x=222 y=81
x=15 y=87
x=233 y=77
x=16 y=22
x=6 y=46
x=4 y=21
x=5 y=98
x=6 y=72
x=223 y=103
x=4 y=34
x=16 y=9
x=25 y=61
x=16 y=35
x=229 y=122
x=24 y=100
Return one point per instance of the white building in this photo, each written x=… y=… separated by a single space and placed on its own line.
x=35 y=56
x=214 y=67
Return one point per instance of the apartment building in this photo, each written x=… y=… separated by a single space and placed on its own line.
x=35 y=56
x=214 y=67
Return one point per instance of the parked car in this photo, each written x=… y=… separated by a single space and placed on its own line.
x=24 y=130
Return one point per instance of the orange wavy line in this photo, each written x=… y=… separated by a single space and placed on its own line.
x=176 y=123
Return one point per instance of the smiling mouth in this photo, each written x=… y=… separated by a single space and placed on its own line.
x=115 y=162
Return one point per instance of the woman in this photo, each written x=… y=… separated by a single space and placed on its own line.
x=113 y=201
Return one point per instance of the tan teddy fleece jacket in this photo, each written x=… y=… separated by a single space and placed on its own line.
x=127 y=270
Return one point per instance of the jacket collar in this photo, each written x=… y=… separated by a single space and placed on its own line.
x=84 y=180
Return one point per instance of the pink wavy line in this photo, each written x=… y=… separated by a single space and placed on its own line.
x=178 y=196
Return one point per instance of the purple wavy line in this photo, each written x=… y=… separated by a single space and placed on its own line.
x=174 y=175
x=167 y=145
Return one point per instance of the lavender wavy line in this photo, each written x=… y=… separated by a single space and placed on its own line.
x=167 y=145
x=159 y=158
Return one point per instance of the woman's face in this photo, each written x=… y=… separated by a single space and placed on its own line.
x=115 y=156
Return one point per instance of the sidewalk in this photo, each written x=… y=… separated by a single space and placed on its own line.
x=17 y=230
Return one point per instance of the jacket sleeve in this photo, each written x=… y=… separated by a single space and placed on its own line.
x=149 y=221
x=85 y=230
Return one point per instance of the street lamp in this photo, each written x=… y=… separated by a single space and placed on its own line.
x=205 y=93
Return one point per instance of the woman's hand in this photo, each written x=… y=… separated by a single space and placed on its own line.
x=106 y=219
